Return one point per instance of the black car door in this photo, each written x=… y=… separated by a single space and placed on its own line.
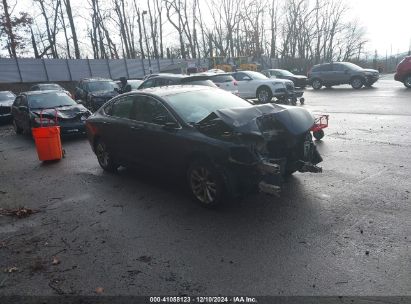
x=115 y=128
x=158 y=143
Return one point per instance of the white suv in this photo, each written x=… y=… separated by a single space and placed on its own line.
x=255 y=85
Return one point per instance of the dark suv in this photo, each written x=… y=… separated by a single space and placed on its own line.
x=336 y=73
x=94 y=92
x=403 y=73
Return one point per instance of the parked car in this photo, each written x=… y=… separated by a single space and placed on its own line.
x=94 y=92
x=403 y=73
x=221 y=143
x=300 y=81
x=161 y=80
x=255 y=85
x=41 y=108
x=6 y=101
x=46 y=87
x=336 y=73
x=224 y=81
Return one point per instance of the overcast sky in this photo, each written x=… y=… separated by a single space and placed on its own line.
x=387 y=23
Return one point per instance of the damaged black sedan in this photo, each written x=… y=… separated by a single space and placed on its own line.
x=222 y=144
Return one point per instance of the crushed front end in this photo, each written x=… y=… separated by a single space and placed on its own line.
x=269 y=142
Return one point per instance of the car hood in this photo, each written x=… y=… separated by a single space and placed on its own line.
x=104 y=94
x=67 y=112
x=6 y=103
x=371 y=70
x=298 y=77
x=261 y=119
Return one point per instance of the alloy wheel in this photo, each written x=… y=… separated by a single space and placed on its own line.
x=102 y=155
x=357 y=83
x=203 y=185
x=316 y=84
x=263 y=96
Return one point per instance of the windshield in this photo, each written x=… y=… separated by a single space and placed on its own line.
x=51 y=86
x=134 y=84
x=352 y=66
x=202 y=82
x=256 y=75
x=194 y=106
x=285 y=73
x=222 y=78
x=102 y=86
x=6 y=96
x=50 y=100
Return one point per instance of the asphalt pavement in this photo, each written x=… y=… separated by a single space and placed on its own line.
x=346 y=231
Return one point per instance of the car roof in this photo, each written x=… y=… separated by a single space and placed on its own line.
x=96 y=79
x=45 y=83
x=31 y=93
x=174 y=89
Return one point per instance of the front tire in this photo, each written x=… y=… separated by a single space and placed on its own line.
x=317 y=84
x=206 y=183
x=16 y=128
x=105 y=158
x=264 y=95
x=407 y=81
x=357 y=83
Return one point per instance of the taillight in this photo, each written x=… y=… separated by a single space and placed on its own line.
x=235 y=83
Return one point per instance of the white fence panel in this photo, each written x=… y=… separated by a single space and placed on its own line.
x=57 y=69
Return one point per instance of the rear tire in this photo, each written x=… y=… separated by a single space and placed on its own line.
x=206 y=183
x=104 y=157
x=16 y=128
x=357 y=83
x=407 y=81
x=317 y=84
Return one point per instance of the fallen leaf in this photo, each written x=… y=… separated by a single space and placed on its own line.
x=56 y=261
x=99 y=290
x=11 y=269
x=18 y=212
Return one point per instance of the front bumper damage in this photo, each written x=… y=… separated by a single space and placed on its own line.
x=269 y=142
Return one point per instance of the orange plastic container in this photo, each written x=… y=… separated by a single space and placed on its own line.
x=48 y=142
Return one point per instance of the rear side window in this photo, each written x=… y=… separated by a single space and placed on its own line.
x=339 y=67
x=322 y=68
x=122 y=107
x=222 y=78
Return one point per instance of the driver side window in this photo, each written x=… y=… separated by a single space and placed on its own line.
x=241 y=76
x=147 y=109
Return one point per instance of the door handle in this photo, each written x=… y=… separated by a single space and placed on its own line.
x=106 y=123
